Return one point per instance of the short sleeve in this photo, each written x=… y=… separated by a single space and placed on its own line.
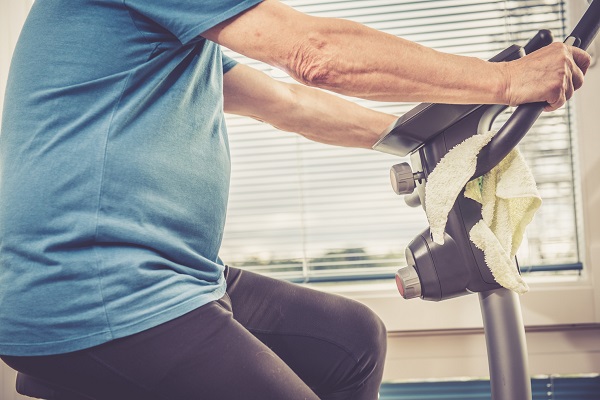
x=186 y=19
x=228 y=63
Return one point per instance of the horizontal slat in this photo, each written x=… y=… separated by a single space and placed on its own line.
x=300 y=210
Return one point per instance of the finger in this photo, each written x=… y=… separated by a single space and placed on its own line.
x=569 y=89
x=558 y=98
x=581 y=58
x=577 y=77
x=554 y=106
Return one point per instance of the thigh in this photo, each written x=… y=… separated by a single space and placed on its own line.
x=204 y=354
x=336 y=345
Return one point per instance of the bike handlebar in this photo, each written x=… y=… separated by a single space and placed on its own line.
x=525 y=115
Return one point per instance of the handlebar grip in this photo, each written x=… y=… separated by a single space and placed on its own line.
x=586 y=29
x=507 y=138
x=525 y=115
x=541 y=39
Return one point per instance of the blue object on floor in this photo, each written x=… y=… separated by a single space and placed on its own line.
x=550 y=388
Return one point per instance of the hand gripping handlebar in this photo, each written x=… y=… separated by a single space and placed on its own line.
x=525 y=115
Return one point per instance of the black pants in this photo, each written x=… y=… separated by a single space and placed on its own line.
x=266 y=339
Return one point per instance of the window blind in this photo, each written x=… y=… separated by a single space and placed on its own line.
x=305 y=211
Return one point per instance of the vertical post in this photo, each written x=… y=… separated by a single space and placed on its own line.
x=506 y=345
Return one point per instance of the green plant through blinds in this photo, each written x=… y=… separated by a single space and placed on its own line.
x=306 y=211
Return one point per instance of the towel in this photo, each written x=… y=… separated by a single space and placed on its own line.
x=509 y=198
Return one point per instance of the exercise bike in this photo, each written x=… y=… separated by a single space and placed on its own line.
x=437 y=272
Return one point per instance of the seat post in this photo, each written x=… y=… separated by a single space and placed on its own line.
x=506 y=344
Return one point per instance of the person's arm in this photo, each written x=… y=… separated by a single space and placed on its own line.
x=352 y=59
x=313 y=113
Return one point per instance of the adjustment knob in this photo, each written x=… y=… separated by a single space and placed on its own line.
x=408 y=282
x=403 y=181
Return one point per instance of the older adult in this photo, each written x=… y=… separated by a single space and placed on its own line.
x=114 y=182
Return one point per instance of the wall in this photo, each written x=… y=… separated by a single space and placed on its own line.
x=12 y=15
x=561 y=350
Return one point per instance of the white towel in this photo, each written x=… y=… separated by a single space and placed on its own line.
x=509 y=199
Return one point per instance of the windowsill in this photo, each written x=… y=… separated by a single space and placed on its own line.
x=552 y=300
x=385 y=288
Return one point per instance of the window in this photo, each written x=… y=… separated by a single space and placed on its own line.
x=309 y=212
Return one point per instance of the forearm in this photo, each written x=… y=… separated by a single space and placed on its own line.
x=318 y=115
x=326 y=118
x=359 y=61
x=352 y=59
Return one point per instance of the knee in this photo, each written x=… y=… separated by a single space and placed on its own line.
x=371 y=333
x=370 y=339
x=378 y=334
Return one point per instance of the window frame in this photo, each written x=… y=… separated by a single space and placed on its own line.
x=551 y=301
x=324 y=254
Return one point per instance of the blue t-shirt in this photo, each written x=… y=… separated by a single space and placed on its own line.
x=114 y=171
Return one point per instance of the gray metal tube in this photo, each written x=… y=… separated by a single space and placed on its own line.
x=506 y=345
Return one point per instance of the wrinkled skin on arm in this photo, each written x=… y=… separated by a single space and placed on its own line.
x=351 y=59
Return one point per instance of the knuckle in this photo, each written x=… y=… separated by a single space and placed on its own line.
x=562 y=52
x=555 y=92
